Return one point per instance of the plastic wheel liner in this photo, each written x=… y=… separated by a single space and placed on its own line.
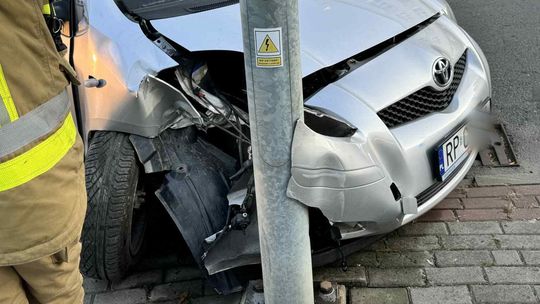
x=194 y=190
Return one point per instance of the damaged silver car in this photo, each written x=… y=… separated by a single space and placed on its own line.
x=390 y=89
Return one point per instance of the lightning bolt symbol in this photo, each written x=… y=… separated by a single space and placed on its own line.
x=267 y=42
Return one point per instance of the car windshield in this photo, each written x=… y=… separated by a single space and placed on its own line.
x=159 y=9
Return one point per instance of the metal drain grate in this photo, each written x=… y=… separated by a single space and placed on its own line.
x=500 y=152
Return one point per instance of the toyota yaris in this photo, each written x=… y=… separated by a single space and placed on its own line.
x=390 y=89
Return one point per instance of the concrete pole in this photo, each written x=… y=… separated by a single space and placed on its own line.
x=274 y=85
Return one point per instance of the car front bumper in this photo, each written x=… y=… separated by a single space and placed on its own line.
x=382 y=178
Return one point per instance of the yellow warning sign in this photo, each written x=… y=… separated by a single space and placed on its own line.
x=268 y=46
x=268 y=43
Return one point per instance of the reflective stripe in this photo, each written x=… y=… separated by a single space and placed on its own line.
x=40 y=159
x=46 y=9
x=4 y=115
x=6 y=97
x=34 y=125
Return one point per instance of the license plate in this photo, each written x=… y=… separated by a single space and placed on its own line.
x=452 y=152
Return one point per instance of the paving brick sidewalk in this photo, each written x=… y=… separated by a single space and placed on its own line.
x=480 y=245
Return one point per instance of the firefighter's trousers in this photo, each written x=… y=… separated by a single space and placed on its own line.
x=53 y=279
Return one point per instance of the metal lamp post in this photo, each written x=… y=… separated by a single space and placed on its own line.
x=274 y=85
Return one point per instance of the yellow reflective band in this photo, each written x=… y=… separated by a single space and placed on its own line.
x=46 y=9
x=6 y=97
x=40 y=159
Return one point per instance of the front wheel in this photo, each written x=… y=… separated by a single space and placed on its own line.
x=116 y=218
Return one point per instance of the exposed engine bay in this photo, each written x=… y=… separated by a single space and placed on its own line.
x=215 y=105
x=208 y=186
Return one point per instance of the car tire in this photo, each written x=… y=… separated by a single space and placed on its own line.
x=116 y=218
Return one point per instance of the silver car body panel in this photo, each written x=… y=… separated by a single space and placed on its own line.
x=330 y=30
x=120 y=53
x=115 y=49
x=403 y=153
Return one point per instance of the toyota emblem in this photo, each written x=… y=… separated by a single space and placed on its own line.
x=443 y=72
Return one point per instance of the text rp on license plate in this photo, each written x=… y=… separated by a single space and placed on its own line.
x=452 y=152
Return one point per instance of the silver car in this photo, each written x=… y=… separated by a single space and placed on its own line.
x=391 y=88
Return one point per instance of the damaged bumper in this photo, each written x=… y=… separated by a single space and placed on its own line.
x=342 y=178
x=384 y=176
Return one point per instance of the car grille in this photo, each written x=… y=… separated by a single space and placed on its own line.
x=424 y=101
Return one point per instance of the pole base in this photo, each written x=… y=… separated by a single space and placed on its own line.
x=325 y=293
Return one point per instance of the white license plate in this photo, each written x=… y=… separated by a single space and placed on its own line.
x=452 y=152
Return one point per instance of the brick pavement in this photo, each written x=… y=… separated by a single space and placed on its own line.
x=480 y=245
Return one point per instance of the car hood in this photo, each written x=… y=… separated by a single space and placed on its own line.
x=330 y=30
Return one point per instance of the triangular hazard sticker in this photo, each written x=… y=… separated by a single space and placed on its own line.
x=268 y=46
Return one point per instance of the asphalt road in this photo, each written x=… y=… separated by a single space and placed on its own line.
x=509 y=33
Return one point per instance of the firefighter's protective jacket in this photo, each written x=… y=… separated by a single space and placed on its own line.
x=42 y=193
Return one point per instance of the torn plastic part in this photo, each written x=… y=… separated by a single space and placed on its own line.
x=349 y=230
x=212 y=238
x=237 y=198
x=234 y=249
x=170 y=106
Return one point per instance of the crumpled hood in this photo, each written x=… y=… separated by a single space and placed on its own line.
x=330 y=30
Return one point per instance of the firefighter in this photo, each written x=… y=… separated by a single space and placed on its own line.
x=42 y=192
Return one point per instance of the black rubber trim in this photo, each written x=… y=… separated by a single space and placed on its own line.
x=318 y=80
x=430 y=192
x=73 y=27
